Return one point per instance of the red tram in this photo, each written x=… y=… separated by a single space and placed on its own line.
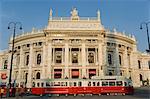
x=107 y=85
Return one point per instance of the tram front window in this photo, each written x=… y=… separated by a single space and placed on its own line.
x=75 y=84
x=111 y=83
x=47 y=84
x=104 y=83
x=79 y=84
x=119 y=83
x=125 y=83
x=42 y=84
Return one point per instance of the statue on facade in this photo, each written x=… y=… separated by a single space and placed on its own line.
x=74 y=12
x=51 y=12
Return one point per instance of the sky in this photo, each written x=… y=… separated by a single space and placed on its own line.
x=124 y=15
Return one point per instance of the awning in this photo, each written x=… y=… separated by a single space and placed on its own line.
x=75 y=73
x=57 y=72
x=92 y=71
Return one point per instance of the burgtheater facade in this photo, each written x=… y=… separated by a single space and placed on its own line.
x=74 y=47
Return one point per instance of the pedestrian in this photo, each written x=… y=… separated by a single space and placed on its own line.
x=22 y=91
x=2 y=92
x=13 y=91
x=7 y=91
x=17 y=93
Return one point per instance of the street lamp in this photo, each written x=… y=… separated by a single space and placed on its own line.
x=14 y=25
x=146 y=23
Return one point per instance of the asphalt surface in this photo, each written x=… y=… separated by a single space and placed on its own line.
x=140 y=93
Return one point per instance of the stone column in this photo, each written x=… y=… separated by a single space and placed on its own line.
x=86 y=58
x=66 y=59
x=20 y=64
x=117 y=60
x=29 y=82
x=63 y=58
x=83 y=59
x=53 y=56
x=96 y=56
x=70 y=60
x=126 y=62
x=79 y=57
x=43 y=60
x=49 y=71
x=100 y=59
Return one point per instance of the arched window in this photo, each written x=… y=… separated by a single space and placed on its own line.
x=38 y=59
x=91 y=57
x=120 y=61
x=5 y=64
x=141 y=77
x=58 y=56
x=74 y=57
x=139 y=64
x=27 y=60
x=38 y=75
x=109 y=59
x=18 y=60
x=110 y=74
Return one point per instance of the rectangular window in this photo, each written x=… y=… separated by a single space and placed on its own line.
x=139 y=64
x=125 y=83
x=80 y=84
x=104 y=83
x=149 y=64
x=111 y=83
x=119 y=83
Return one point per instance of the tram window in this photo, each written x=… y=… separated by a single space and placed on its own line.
x=33 y=84
x=89 y=84
x=52 y=84
x=79 y=84
x=125 y=83
x=70 y=83
x=104 y=83
x=38 y=84
x=98 y=84
x=56 y=83
x=119 y=83
x=75 y=84
x=93 y=83
x=42 y=84
x=129 y=83
x=47 y=84
x=62 y=84
x=66 y=84
x=111 y=83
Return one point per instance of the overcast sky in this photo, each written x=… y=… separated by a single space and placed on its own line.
x=124 y=15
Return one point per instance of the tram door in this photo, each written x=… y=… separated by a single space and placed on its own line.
x=84 y=86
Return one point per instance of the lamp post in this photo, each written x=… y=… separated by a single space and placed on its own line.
x=14 y=26
x=146 y=23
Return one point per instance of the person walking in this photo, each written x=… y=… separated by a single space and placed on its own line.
x=2 y=92
x=21 y=91
x=17 y=92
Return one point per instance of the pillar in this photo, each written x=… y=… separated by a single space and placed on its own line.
x=29 y=82
x=43 y=61
x=100 y=59
x=83 y=59
x=66 y=59
x=49 y=71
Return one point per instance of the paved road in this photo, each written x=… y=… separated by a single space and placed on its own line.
x=140 y=93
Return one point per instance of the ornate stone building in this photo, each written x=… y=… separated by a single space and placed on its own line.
x=74 y=47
